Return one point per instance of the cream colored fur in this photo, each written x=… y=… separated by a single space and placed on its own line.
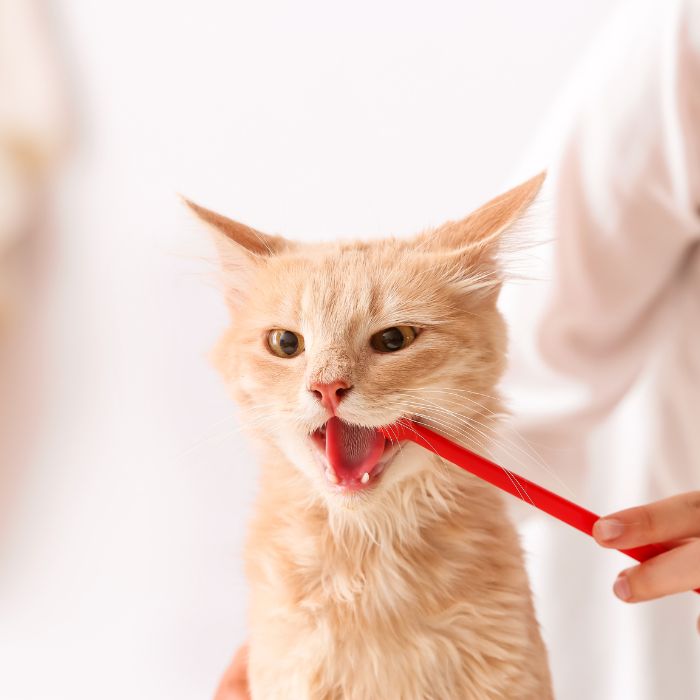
x=416 y=589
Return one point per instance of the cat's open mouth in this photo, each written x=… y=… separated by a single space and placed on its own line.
x=353 y=456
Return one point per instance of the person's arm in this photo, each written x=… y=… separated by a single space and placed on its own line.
x=624 y=188
x=627 y=206
x=626 y=198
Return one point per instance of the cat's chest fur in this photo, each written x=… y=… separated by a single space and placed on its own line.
x=432 y=603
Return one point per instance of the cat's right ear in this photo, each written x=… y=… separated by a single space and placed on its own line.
x=240 y=247
x=249 y=241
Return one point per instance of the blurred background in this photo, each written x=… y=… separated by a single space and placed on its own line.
x=124 y=486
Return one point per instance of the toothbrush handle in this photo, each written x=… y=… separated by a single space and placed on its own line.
x=506 y=480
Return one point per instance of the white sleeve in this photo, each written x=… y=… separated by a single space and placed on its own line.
x=625 y=194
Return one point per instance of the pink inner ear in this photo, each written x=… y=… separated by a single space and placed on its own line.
x=352 y=450
x=250 y=240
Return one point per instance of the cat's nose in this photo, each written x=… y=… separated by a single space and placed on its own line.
x=331 y=394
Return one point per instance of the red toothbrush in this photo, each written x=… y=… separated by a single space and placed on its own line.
x=509 y=481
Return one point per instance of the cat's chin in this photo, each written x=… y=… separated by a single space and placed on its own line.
x=352 y=458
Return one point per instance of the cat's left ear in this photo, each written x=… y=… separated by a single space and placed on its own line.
x=470 y=247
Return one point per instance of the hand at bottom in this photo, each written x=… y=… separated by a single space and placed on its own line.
x=234 y=684
x=674 y=522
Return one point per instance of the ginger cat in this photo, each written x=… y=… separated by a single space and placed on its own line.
x=376 y=570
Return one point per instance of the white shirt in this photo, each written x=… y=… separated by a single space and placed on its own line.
x=605 y=345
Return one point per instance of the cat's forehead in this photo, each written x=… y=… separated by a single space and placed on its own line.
x=347 y=286
x=340 y=280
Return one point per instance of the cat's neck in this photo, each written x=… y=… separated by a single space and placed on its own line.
x=336 y=556
x=402 y=514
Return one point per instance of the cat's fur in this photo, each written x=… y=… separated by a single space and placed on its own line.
x=414 y=590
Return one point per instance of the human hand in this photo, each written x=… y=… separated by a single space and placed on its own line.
x=673 y=521
x=234 y=684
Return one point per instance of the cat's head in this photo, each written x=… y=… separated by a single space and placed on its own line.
x=330 y=341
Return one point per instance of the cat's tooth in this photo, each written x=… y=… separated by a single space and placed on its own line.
x=330 y=475
x=365 y=478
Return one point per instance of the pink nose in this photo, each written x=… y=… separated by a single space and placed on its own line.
x=330 y=395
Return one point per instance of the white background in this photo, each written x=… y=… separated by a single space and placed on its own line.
x=124 y=509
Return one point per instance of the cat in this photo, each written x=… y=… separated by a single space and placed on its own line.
x=376 y=570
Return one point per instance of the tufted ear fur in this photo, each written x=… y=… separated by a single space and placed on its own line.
x=468 y=248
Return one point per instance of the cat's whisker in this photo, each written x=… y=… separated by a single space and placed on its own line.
x=479 y=406
x=212 y=434
x=470 y=422
x=253 y=417
x=530 y=453
x=407 y=425
x=500 y=440
x=442 y=423
x=209 y=441
x=465 y=435
x=458 y=393
x=533 y=454
x=393 y=437
x=456 y=389
x=474 y=444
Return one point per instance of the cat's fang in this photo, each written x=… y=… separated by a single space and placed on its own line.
x=331 y=476
x=365 y=478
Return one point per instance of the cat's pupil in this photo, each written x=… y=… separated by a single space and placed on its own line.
x=288 y=343
x=393 y=339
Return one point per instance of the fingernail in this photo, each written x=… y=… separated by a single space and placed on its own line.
x=621 y=588
x=608 y=530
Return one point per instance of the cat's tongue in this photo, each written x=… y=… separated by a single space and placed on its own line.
x=352 y=451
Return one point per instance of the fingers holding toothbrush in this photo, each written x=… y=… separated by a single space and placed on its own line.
x=673 y=521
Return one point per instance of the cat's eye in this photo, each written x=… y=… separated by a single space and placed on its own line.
x=285 y=343
x=393 y=339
